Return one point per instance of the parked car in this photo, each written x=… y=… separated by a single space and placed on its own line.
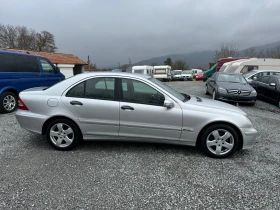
x=196 y=72
x=187 y=75
x=19 y=71
x=132 y=107
x=268 y=88
x=176 y=75
x=231 y=88
x=256 y=74
x=199 y=76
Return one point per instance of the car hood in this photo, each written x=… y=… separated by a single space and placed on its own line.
x=215 y=106
x=186 y=74
x=236 y=86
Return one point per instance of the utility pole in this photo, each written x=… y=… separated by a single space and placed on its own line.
x=88 y=61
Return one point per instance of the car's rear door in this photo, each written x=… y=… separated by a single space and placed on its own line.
x=95 y=103
x=29 y=71
x=142 y=114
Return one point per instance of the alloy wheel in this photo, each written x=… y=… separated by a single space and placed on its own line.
x=61 y=135
x=220 y=142
x=9 y=103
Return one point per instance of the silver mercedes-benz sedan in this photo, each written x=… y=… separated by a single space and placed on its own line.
x=132 y=107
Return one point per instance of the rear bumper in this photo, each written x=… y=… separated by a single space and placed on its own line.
x=30 y=121
x=249 y=135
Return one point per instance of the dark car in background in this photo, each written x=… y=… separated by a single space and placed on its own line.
x=230 y=88
x=268 y=88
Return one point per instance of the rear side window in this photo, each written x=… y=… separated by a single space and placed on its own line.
x=27 y=63
x=96 y=88
x=7 y=63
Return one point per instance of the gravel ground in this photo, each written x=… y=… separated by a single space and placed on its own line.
x=116 y=175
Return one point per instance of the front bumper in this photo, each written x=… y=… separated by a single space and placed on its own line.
x=249 y=135
x=236 y=98
x=31 y=121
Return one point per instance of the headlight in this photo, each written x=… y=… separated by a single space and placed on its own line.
x=222 y=90
x=253 y=93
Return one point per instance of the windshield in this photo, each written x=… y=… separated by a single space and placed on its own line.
x=177 y=72
x=248 y=74
x=168 y=89
x=187 y=72
x=233 y=78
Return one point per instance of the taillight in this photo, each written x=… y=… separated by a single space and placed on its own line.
x=21 y=105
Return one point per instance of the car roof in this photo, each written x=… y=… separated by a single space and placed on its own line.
x=229 y=73
x=135 y=75
x=256 y=70
x=18 y=53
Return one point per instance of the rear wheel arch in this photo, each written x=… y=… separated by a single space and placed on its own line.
x=46 y=124
x=198 y=140
x=10 y=90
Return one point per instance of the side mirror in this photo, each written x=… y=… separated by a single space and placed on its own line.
x=211 y=80
x=56 y=70
x=255 y=78
x=272 y=85
x=168 y=104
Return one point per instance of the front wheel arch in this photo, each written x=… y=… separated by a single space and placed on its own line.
x=198 y=140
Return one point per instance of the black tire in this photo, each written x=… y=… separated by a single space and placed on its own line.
x=76 y=137
x=252 y=104
x=206 y=90
x=207 y=133
x=3 y=98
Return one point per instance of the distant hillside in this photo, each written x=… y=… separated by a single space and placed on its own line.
x=198 y=59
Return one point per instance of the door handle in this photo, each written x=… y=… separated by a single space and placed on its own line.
x=76 y=103
x=127 y=107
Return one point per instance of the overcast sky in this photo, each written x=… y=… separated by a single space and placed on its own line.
x=111 y=31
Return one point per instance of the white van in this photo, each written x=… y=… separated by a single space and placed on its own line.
x=195 y=72
x=143 y=70
x=247 y=65
x=162 y=72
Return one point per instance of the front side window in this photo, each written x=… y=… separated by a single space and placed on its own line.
x=272 y=80
x=264 y=80
x=7 y=63
x=27 y=63
x=97 y=88
x=138 y=92
x=46 y=66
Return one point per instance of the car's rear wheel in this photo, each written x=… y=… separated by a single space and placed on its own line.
x=63 y=134
x=219 y=141
x=8 y=102
x=206 y=90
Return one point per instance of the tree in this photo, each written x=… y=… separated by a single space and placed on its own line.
x=20 y=37
x=273 y=53
x=179 y=65
x=226 y=50
x=168 y=62
x=251 y=52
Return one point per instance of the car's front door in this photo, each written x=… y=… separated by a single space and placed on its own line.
x=142 y=114
x=95 y=103
x=48 y=76
x=272 y=91
x=262 y=86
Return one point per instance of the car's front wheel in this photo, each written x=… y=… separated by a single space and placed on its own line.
x=8 y=102
x=219 y=141
x=63 y=134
